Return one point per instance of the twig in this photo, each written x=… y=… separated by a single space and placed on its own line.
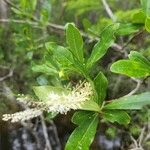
x=136 y=144
x=109 y=11
x=48 y=145
x=33 y=132
x=141 y=137
x=134 y=141
x=10 y=74
x=130 y=40
x=136 y=88
x=56 y=134
x=34 y=24
x=115 y=46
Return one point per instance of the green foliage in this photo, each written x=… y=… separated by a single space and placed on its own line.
x=72 y=58
x=100 y=83
x=137 y=66
x=57 y=65
x=106 y=40
x=127 y=28
x=83 y=135
x=120 y=117
x=75 y=42
x=129 y=102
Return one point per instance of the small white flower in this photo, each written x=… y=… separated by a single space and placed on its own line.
x=56 y=103
x=22 y=115
x=53 y=96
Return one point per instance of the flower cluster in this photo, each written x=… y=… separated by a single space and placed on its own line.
x=57 y=103
x=22 y=115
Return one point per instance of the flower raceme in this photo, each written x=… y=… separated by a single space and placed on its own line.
x=57 y=103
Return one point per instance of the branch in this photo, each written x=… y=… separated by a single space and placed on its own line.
x=48 y=145
x=56 y=27
x=136 y=88
x=10 y=74
x=108 y=10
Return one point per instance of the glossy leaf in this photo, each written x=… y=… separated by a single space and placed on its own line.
x=130 y=68
x=100 y=83
x=106 y=40
x=136 y=56
x=83 y=135
x=75 y=41
x=81 y=116
x=118 y=116
x=133 y=102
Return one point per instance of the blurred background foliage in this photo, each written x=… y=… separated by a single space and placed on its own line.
x=25 y=27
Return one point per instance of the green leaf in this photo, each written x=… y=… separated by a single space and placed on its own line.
x=127 y=28
x=130 y=68
x=83 y=135
x=118 y=116
x=100 y=83
x=147 y=24
x=64 y=58
x=139 y=17
x=45 y=69
x=75 y=41
x=60 y=54
x=146 y=7
x=42 y=92
x=129 y=102
x=106 y=40
x=90 y=105
x=136 y=56
x=81 y=116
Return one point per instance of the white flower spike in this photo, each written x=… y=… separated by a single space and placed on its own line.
x=57 y=103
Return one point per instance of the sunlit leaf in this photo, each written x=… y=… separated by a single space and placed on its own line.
x=130 y=68
x=133 y=102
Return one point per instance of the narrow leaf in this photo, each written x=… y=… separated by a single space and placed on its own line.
x=130 y=68
x=131 y=102
x=106 y=40
x=81 y=116
x=100 y=83
x=83 y=135
x=75 y=41
x=127 y=28
x=44 y=69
